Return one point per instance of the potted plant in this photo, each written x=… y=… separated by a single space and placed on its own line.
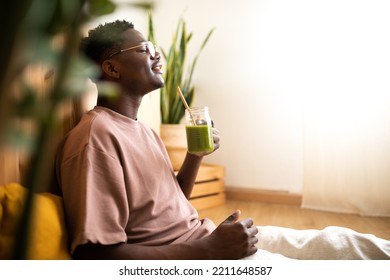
x=176 y=74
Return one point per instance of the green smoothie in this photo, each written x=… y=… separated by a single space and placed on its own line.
x=199 y=139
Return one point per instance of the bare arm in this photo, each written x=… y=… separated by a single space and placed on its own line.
x=189 y=170
x=137 y=252
x=231 y=240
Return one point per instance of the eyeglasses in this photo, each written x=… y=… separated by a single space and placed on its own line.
x=149 y=47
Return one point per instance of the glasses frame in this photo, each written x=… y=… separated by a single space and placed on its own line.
x=149 y=47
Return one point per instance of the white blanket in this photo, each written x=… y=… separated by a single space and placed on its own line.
x=330 y=243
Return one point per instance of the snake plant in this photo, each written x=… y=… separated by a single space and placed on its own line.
x=176 y=74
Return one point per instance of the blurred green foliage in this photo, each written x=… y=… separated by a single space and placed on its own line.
x=30 y=29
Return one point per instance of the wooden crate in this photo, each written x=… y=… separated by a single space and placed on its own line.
x=209 y=189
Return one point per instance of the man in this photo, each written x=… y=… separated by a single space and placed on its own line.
x=121 y=196
x=122 y=199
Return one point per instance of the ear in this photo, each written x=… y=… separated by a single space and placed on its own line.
x=109 y=68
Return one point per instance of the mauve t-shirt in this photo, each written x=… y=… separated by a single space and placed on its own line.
x=119 y=186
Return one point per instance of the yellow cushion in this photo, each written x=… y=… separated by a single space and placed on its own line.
x=48 y=239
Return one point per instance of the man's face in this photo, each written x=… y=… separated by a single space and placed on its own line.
x=139 y=71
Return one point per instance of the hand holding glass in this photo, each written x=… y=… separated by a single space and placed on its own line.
x=199 y=131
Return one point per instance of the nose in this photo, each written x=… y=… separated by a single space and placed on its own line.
x=157 y=55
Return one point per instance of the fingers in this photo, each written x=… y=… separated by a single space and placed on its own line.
x=252 y=251
x=216 y=138
x=253 y=240
x=247 y=222
x=233 y=217
x=252 y=245
x=253 y=231
x=249 y=243
x=215 y=132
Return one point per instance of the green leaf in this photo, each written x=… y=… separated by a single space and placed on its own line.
x=151 y=29
x=143 y=5
x=101 y=7
x=107 y=89
x=18 y=138
x=189 y=78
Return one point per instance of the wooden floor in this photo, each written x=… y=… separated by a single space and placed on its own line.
x=298 y=218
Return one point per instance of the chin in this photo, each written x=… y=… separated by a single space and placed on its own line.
x=155 y=86
x=159 y=84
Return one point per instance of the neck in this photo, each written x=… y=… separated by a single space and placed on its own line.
x=122 y=105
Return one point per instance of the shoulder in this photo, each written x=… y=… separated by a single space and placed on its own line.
x=100 y=123
x=89 y=123
x=92 y=126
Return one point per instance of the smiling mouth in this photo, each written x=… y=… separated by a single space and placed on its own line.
x=157 y=68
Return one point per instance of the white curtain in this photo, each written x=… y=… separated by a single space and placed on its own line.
x=347 y=111
x=347 y=156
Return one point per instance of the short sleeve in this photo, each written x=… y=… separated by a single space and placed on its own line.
x=95 y=196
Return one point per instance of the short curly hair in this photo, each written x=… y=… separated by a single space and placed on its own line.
x=103 y=39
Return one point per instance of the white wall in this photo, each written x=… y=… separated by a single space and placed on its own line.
x=263 y=59
x=261 y=128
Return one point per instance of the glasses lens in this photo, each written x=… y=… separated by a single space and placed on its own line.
x=152 y=49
